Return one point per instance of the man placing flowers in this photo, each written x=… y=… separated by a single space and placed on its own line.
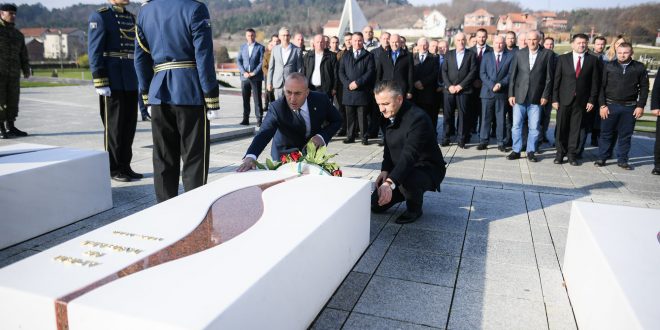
x=412 y=160
x=299 y=117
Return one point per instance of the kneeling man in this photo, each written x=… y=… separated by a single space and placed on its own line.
x=412 y=160
x=293 y=120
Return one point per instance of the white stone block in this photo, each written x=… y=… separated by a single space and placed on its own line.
x=43 y=188
x=612 y=266
x=278 y=274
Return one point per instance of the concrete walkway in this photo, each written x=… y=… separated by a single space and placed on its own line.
x=487 y=253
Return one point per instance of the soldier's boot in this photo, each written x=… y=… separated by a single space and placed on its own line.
x=3 y=131
x=15 y=131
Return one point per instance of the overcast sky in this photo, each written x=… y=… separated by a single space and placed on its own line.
x=533 y=4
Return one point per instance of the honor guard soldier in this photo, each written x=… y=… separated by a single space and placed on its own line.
x=176 y=73
x=111 y=51
x=13 y=60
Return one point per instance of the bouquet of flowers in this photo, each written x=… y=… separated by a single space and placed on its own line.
x=313 y=156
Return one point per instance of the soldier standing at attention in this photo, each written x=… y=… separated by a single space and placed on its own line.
x=176 y=72
x=13 y=60
x=111 y=49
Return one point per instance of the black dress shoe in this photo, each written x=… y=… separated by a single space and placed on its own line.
x=461 y=145
x=13 y=131
x=531 y=157
x=656 y=171
x=444 y=143
x=121 y=177
x=408 y=217
x=573 y=162
x=349 y=140
x=133 y=175
x=3 y=132
x=381 y=142
x=482 y=146
x=558 y=160
x=341 y=133
x=244 y=123
x=625 y=166
x=501 y=148
x=513 y=155
x=146 y=117
x=599 y=163
x=365 y=141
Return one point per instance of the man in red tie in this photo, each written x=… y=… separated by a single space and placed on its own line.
x=577 y=80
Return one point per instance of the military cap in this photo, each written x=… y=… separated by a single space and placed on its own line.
x=8 y=7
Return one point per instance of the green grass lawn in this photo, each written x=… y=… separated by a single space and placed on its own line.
x=31 y=84
x=65 y=73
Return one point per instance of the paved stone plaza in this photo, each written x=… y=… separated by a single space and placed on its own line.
x=487 y=253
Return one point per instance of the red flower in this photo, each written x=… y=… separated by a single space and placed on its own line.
x=336 y=173
x=296 y=156
x=283 y=159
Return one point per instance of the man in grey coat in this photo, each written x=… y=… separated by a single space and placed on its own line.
x=530 y=88
x=285 y=58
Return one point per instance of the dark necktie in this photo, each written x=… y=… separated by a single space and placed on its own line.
x=421 y=59
x=357 y=53
x=578 y=68
x=299 y=121
x=497 y=64
x=481 y=50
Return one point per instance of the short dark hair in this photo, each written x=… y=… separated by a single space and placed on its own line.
x=580 y=36
x=334 y=37
x=391 y=86
x=511 y=32
x=626 y=45
x=482 y=30
x=549 y=38
x=348 y=34
x=250 y=30
x=358 y=34
x=600 y=38
x=274 y=36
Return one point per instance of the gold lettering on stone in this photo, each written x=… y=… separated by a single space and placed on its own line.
x=144 y=237
x=112 y=247
x=76 y=261
x=94 y=254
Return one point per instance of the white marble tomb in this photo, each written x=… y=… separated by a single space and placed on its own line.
x=277 y=273
x=612 y=266
x=44 y=188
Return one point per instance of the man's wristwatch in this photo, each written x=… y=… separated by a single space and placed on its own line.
x=391 y=184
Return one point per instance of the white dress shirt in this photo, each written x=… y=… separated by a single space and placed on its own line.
x=250 y=49
x=532 y=58
x=459 y=58
x=422 y=57
x=316 y=75
x=285 y=53
x=575 y=60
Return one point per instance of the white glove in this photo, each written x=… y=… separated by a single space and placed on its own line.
x=103 y=91
x=213 y=114
x=149 y=110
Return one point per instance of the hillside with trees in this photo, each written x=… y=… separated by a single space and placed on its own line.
x=308 y=16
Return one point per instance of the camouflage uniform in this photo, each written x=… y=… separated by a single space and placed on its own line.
x=13 y=60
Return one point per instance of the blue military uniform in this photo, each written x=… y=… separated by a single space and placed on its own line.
x=176 y=74
x=111 y=50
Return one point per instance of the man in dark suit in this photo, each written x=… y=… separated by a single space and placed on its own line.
x=480 y=49
x=357 y=73
x=546 y=111
x=655 y=111
x=294 y=120
x=576 y=87
x=494 y=74
x=530 y=88
x=458 y=74
x=250 y=61
x=396 y=64
x=320 y=68
x=412 y=161
x=511 y=41
x=425 y=73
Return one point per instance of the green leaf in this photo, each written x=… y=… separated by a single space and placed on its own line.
x=270 y=164
x=311 y=150
x=260 y=166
